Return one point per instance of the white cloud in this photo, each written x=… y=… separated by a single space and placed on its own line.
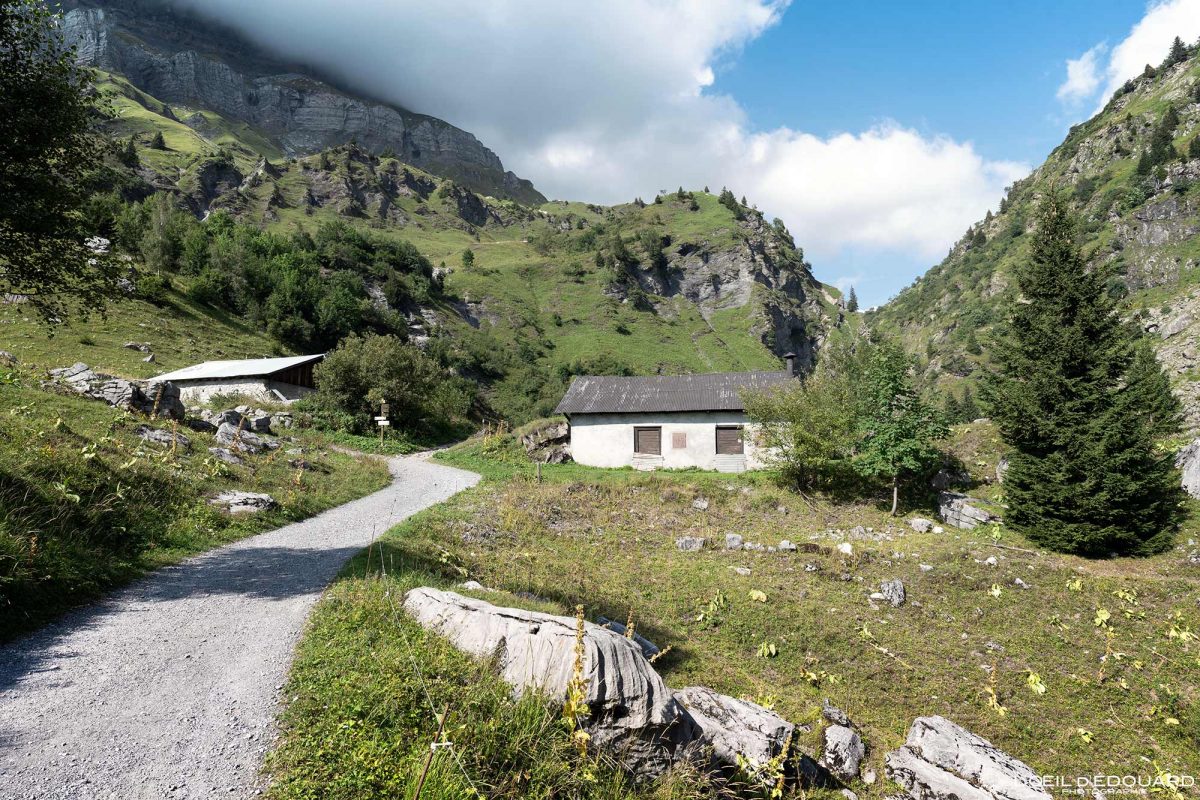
x=1083 y=75
x=1147 y=43
x=608 y=101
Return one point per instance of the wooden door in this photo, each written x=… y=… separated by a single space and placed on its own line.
x=647 y=441
x=730 y=440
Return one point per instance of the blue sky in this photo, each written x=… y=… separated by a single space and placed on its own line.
x=986 y=74
x=878 y=131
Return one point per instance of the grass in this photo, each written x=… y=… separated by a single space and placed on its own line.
x=1122 y=693
x=86 y=505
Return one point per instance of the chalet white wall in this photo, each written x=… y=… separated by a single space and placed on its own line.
x=606 y=440
x=200 y=391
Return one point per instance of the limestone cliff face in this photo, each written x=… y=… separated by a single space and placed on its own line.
x=182 y=60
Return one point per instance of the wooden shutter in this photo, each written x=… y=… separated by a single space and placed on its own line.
x=678 y=441
x=647 y=441
x=730 y=440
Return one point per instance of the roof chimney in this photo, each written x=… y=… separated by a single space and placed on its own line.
x=790 y=360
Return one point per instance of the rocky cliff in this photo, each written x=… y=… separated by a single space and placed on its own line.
x=1133 y=173
x=185 y=61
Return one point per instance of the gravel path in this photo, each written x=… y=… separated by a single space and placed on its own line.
x=169 y=688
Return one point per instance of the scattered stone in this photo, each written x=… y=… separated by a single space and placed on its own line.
x=938 y=529
x=787 y=547
x=846 y=548
x=926 y=567
x=634 y=716
x=843 y=752
x=245 y=441
x=8 y=358
x=920 y=524
x=200 y=425
x=162 y=437
x=961 y=512
x=834 y=714
x=991 y=561
x=690 y=544
x=848 y=794
x=1020 y=583
x=729 y=728
x=300 y=463
x=226 y=456
x=893 y=592
x=743 y=571
x=474 y=586
x=141 y=347
x=752 y=546
x=733 y=541
x=149 y=359
x=243 y=502
x=700 y=504
x=649 y=648
x=941 y=761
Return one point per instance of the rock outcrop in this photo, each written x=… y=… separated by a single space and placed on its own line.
x=729 y=727
x=549 y=442
x=163 y=438
x=155 y=398
x=1188 y=462
x=243 y=502
x=943 y=761
x=183 y=59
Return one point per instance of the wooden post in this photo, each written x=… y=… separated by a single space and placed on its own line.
x=539 y=471
x=432 y=750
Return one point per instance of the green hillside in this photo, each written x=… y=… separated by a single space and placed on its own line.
x=687 y=282
x=1133 y=174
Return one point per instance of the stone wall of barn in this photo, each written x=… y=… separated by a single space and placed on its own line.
x=689 y=439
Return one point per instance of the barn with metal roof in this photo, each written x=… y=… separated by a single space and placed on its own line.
x=666 y=421
x=278 y=379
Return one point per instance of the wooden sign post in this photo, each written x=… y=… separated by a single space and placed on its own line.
x=382 y=421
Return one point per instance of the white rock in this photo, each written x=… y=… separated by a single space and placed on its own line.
x=731 y=727
x=846 y=548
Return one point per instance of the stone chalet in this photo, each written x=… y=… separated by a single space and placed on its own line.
x=277 y=379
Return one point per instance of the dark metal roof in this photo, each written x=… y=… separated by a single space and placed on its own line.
x=717 y=391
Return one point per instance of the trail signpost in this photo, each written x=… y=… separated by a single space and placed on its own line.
x=382 y=421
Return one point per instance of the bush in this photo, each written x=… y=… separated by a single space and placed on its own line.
x=363 y=372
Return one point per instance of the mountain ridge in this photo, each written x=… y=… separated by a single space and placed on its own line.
x=178 y=58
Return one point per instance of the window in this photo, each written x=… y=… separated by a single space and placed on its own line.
x=730 y=440
x=647 y=441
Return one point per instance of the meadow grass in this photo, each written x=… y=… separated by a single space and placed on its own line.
x=1112 y=643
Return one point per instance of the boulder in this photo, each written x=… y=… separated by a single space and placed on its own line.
x=834 y=714
x=786 y=547
x=233 y=437
x=8 y=358
x=141 y=347
x=220 y=418
x=164 y=438
x=282 y=419
x=843 y=752
x=634 y=716
x=243 y=502
x=691 y=544
x=962 y=511
x=893 y=592
x=1188 y=462
x=733 y=541
x=1001 y=469
x=729 y=728
x=700 y=504
x=226 y=456
x=921 y=525
x=949 y=478
x=943 y=761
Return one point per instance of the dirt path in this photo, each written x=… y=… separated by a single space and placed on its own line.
x=169 y=688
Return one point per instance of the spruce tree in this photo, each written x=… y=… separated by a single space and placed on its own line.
x=1177 y=55
x=1194 y=148
x=1081 y=403
x=852 y=303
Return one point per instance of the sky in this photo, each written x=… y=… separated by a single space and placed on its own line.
x=878 y=131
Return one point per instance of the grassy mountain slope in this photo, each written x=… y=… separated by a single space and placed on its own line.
x=1140 y=224
x=685 y=283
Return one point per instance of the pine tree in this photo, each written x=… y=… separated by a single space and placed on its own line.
x=468 y=259
x=852 y=303
x=1081 y=407
x=1177 y=55
x=897 y=430
x=967 y=407
x=1194 y=148
x=158 y=142
x=129 y=154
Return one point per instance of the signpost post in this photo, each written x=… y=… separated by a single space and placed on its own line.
x=382 y=421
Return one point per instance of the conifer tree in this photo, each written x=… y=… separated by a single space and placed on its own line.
x=1177 y=55
x=1081 y=403
x=158 y=142
x=1194 y=148
x=852 y=303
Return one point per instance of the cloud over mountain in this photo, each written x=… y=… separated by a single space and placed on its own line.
x=608 y=101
